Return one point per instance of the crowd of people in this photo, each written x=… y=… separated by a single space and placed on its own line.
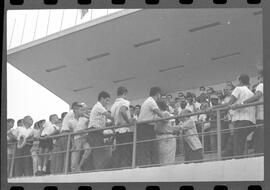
x=158 y=142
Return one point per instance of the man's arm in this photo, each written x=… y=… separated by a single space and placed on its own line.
x=158 y=112
x=254 y=98
x=123 y=112
x=231 y=102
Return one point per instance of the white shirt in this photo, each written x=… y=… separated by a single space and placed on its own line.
x=241 y=93
x=259 y=110
x=97 y=119
x=192 y=108
x=147 y=110
x=118 y=119
x=49 y=129
x=70 y=123
x=18 y=132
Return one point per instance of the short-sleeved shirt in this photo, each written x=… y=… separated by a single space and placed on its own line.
x=259 y=111
x=70 y=123
x=49 y=129
x=192 y=108
x=147 y=110
x=18 y=132
x=242 y=93
x=97 y=119
x=118 y=118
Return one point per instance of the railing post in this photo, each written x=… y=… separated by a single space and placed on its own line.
x=12 y=160
x=67 y=154
x=218 y=135
x=134 y=146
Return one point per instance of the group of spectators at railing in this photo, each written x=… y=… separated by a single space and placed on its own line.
x=94 y=149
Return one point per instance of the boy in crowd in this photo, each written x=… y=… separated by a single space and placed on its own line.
x=46 y=144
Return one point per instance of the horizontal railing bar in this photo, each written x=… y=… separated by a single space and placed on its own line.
x=148 y=121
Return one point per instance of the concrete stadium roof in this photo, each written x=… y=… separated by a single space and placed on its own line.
x=176 y=49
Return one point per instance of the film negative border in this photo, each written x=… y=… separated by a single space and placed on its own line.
x=54 y=4
x=255 y=185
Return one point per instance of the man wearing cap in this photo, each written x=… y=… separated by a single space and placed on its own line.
x=75 y=121
x=146 y=151
x=121 y=114
x=98 y=117
x=242 y=117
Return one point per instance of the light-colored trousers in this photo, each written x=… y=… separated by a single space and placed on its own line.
x=35 y=158
x=166 y=149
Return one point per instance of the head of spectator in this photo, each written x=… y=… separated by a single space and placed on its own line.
x=41 y=123
x=220 y=94
x=169 y=98
x=155 y=93
x=202 y=89
x=243 y=80
x=189 y=97
x=104 y=98
x=27 y=121
x=162 y=105
x=10 y=123
x=177 y=100
x=53 y=118
x=38 y=125
x=132 y=110
x=122 y=92
x=230 y=85
x=78 y=109
x=20 y=123
x=137 y=109
x=214 y=100
x=183 y=105
x=181 y=95
x=63 y=115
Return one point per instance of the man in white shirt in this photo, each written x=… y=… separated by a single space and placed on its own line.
x=23 y=166
x=75 y=121
x=98 y=117
x=258 y=135
x=122 y=156
x=241 y=117
x=146 y=151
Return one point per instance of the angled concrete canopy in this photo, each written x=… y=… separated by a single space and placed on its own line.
x=176 y=49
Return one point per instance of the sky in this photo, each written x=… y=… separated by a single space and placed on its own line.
x=24 y=95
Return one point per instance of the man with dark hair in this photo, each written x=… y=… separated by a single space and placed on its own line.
x=137 y=110
x=241 y=117
x=132 y=112
x=20 y=123
x=121 y=114
x=146 y=152
x=98 y=117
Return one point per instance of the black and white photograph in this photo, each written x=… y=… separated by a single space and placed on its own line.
x=135 y=95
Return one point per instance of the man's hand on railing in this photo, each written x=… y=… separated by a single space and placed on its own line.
x=234 y=106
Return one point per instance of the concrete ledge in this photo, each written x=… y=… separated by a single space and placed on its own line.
x=248 y=169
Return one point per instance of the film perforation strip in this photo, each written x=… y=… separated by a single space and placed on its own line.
x=120 y=187
x=122 y=2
